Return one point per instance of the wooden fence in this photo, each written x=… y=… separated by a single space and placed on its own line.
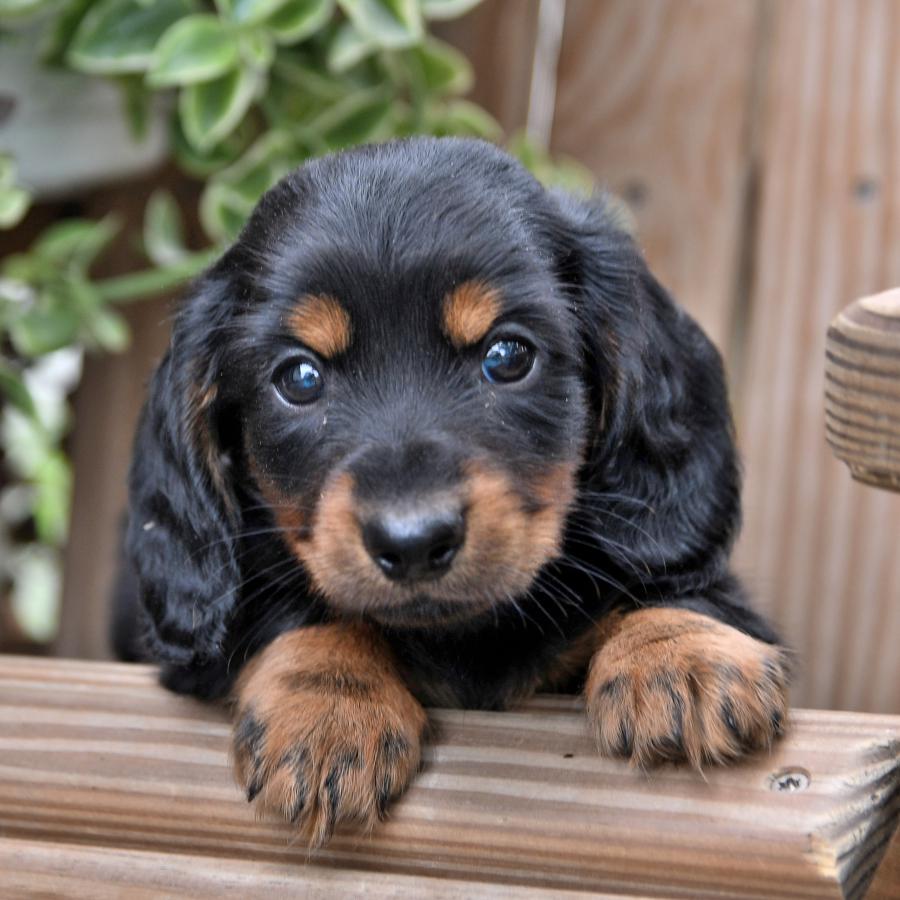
x=758 y=142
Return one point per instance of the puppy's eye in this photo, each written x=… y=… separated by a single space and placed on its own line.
x=299 y=382
x=507 y=360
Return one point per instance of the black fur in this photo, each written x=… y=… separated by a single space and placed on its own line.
x=629 y=387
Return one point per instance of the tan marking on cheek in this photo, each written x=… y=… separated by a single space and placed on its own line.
x=199 y=405
x=322 y=324
x=334 y=555
x=556 y=491
x=469 y=312
x=504 y=542
x=288 y=515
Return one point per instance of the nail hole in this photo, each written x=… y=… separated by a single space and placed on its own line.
x=866 y=188
x=635 y=193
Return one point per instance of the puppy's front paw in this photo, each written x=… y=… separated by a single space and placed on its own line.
x=325 y=734
x=670 y=684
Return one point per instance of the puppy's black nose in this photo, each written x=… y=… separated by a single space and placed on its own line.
x=411 y=546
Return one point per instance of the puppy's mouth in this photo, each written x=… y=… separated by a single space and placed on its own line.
x=442 y=559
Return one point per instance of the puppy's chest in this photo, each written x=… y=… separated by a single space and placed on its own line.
x=493 y=669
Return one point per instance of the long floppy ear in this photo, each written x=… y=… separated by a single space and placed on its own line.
x=663 y=442
x=182 y=507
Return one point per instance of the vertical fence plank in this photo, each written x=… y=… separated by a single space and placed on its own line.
x=655 y=98
x=822 y=549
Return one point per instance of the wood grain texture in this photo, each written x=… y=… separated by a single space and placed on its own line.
x=862 y=389
x=656 y=98
x=109 y=783
x=886 y=883
x=819 y=549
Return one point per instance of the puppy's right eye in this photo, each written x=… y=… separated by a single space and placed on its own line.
x=299 y=382
x=507 y=360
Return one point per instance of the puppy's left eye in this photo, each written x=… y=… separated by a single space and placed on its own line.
x=507 y=360
x=299 y=382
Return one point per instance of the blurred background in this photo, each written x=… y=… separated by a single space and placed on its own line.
x=756 y=143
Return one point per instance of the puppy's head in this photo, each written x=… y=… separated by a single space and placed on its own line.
x=409 y=382
x=412 y=356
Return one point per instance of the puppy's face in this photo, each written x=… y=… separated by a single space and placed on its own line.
x=407 y=375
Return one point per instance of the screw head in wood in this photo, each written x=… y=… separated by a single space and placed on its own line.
x=789 y=780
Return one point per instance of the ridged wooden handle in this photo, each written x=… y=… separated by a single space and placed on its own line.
x=862 y=388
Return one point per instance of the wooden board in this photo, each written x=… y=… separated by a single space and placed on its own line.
x=111 y=786
x=821 y=550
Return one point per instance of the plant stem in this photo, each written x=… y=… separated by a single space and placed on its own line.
x=137 y=285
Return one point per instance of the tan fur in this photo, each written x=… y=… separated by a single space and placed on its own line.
x=505 y=545
x=321 y=324
x=469 y=312
x=673 y=684
x=199 y=404
x=335 y=732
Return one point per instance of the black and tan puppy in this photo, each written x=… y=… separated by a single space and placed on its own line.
x=429 y=433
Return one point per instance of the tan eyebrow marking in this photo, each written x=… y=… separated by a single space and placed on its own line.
x=322 y=324
x=469 y=312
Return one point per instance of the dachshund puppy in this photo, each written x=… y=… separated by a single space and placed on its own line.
x=430 y=434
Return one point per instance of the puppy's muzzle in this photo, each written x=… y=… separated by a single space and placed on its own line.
x=414 y=544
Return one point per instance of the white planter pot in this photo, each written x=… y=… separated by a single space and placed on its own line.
x=66 y=131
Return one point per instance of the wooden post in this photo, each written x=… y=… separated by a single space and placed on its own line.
x=862 y=389
x=112 y=787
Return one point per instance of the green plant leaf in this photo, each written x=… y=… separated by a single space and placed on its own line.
x=41 y=330
x=446 y=9
x=349 y=47
x=62 y=29
x=118 y=36
x=75 y=242
x=250 y=12
x=444 y=69
x=14 y=203
x=307 y=78
x=53 y=480
x=203 y=163
x=210 y=111
x=258 y=48
x=359 y=117
x=561 y=172
x=196 y=48
x=108 y=330
x=163 y=230
x=463 y=118
x=389 y=23
x=231 y=194
x=223 y=211
x=136 y=104
x=13 y=388
x=261 y=166
x=299 y=19
x=34 y=599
